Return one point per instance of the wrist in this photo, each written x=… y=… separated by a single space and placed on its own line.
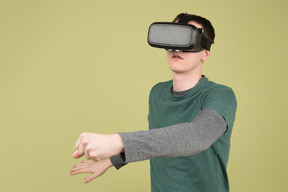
x=119 y=143
x=109 y=163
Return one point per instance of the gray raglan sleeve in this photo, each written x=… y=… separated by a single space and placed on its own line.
x=178 y=140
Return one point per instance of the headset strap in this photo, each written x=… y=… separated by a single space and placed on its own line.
x=206 y=43
x=185 y=19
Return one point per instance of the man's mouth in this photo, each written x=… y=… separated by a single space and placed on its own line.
x=175 y=56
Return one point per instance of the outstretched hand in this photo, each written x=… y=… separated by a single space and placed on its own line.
x=96 y=168
x=97 y=146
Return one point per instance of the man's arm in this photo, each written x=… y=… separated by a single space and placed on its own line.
x=174 y=141
x=209 y=125
x=178 y=140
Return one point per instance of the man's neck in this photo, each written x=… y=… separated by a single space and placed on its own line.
x=183 y=82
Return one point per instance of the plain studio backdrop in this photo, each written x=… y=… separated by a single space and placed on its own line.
x=68 y=67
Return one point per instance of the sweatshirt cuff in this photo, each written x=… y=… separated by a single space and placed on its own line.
x=118 y=161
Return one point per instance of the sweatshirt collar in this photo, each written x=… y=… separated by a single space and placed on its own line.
x=189 y=92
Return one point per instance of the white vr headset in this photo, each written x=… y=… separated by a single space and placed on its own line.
x=179 y=36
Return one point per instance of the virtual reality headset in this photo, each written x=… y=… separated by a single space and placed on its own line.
x=179 y=36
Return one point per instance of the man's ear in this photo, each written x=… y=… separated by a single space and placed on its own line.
x=205 y=55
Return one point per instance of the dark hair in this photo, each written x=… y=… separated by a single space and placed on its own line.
x=209 y=31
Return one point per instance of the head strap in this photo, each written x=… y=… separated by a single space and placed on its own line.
x=185 y=19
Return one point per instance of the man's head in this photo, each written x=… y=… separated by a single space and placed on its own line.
x=185 y=62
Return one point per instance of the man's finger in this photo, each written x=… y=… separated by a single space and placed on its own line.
x=81 y=149
x=78 y=142
x=76 y=154
x=88 y=179
x=95 y=159
x=87 y=155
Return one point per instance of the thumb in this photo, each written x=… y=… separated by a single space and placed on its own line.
x=76 y=154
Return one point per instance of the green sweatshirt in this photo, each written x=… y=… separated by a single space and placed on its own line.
x=205 y=171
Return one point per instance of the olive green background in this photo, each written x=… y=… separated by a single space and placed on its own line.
x=68 y=67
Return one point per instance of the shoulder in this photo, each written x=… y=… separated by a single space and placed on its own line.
x=220 y=90
x=222 y=99
x=221 y=94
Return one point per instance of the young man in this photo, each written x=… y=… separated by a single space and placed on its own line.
x=190 y=125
